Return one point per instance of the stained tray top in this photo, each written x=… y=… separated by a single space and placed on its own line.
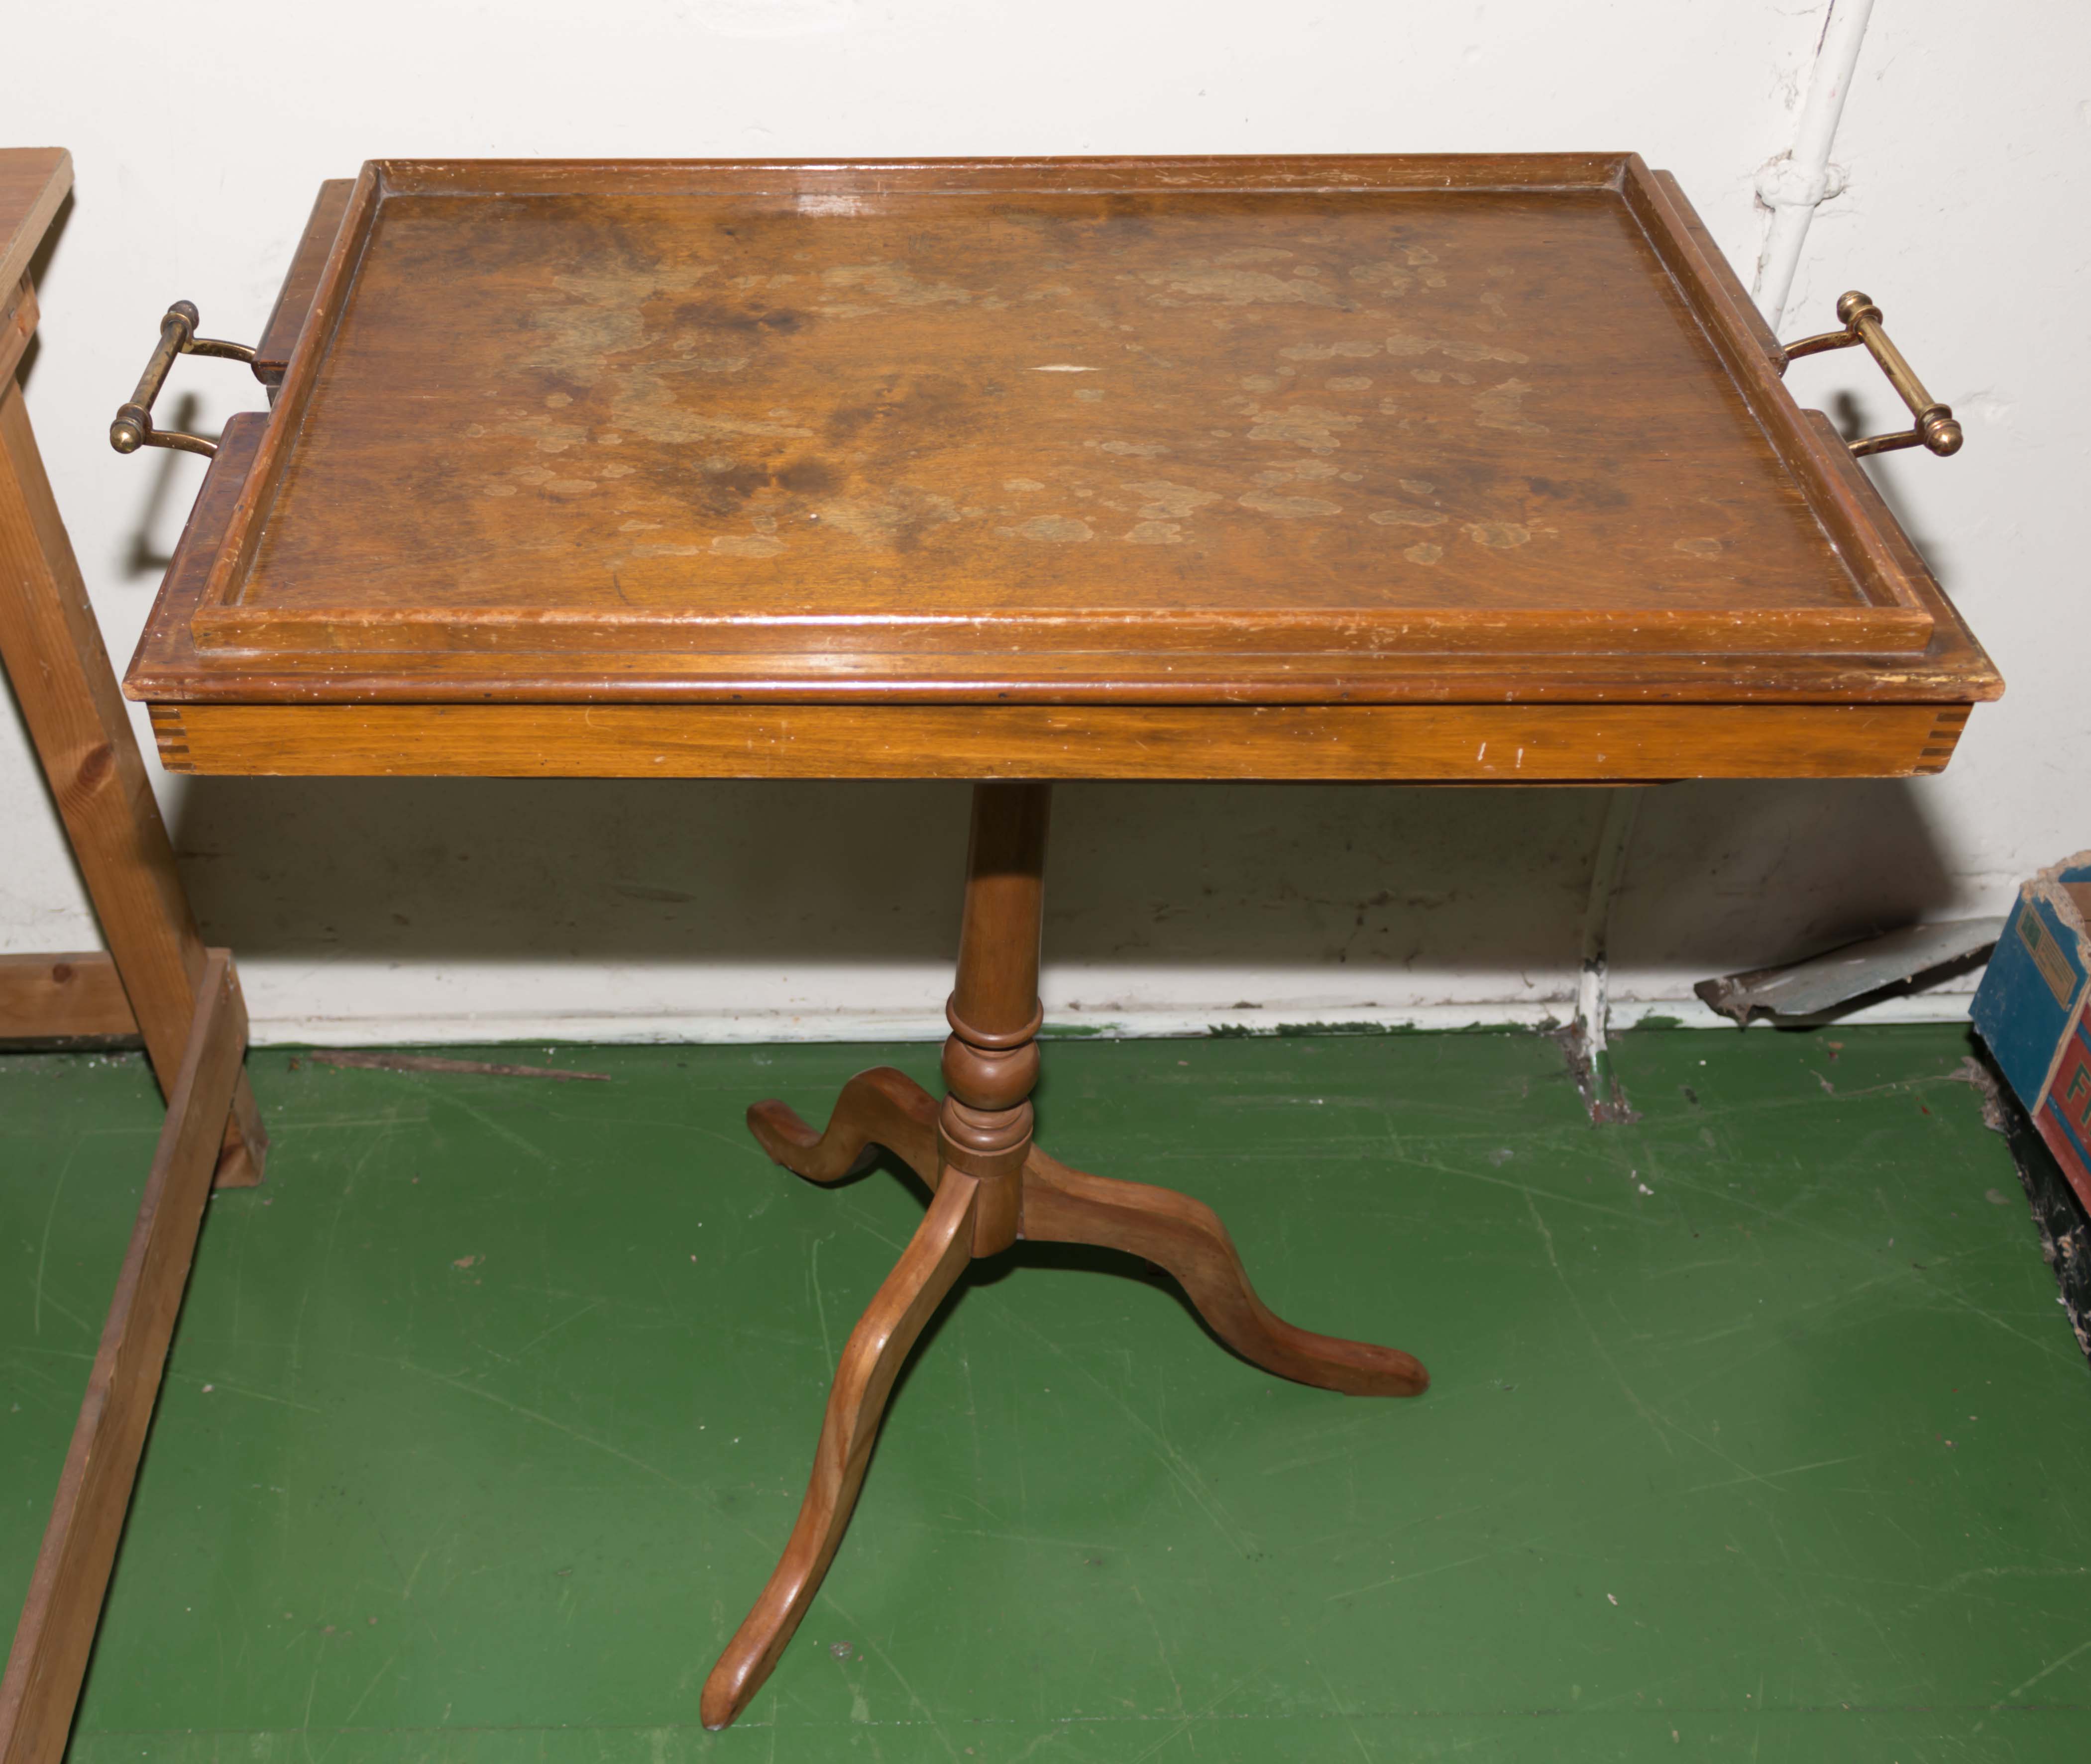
x=1064 y=428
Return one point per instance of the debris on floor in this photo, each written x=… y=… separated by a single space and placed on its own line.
x=1596 y=1077
x=2057 y=1210
x=422 y=1062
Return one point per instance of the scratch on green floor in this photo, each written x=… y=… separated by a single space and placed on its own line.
x=1180 y=1470
x=494 y=1126
x=1414 y=1574
x=215 y=1381
x=820 y=1304
x=44 y=1248
x=2048 y=1670
x=559 y=1427
x=1656 y=1423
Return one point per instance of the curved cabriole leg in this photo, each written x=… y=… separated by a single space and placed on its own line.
x=933 y=1261
x=882 y=1107
x=1186 y=1237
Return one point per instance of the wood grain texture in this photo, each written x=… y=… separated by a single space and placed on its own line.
x=991 y=1186
x=836 y=182
x=781 y=427
x=294 y=300
x=706 y=429
x=1443 y=744
x=1185 y=1237
x=883 y=1107
x=872 y=1359
x=991 y=1057
x=1050 y=1202
x=55 y=659
x=1824 y=465
x=1720 y=272
x=880 y=1106
x=169 y=669
x=34 y=181
x=64 y=1603
x=71 y=997
x=17 y=324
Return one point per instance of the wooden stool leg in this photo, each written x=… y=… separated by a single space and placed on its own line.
x=59 y=666
x=942 y=1247
x=879 y=1108
x=64 y=1604
x=1186 y=1237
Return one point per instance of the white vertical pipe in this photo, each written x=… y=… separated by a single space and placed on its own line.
x=1593 y=1008
x=1795 y=184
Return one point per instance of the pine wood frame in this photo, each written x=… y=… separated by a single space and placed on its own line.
x=158 y=981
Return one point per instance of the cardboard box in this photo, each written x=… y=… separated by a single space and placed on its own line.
x=2030 y=1009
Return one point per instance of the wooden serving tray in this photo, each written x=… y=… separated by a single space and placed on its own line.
x=1356 y=431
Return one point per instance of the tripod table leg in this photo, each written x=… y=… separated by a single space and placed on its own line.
x=882 y=1107
x=933 y=1261
x=1186 y=1237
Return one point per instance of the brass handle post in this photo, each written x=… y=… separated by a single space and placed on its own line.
x=133 y=427
x=1936 y=428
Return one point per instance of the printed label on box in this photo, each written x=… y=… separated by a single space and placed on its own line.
x=2065 y=1121
x=2047 y=957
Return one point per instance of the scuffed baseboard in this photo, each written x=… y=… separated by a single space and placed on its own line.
x=374 y=1030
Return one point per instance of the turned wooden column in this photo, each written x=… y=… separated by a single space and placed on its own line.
x=991 y=1059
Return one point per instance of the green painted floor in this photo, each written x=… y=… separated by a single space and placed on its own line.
x=1757 y=1432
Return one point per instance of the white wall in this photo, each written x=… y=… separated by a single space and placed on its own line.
x=364 y=908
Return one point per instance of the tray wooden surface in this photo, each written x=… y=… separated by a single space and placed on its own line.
x=1479 y=430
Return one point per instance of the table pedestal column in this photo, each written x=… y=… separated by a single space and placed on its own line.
x=991 y=1059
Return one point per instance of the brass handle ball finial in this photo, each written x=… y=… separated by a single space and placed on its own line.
x=1936 y=428
x=133 y=426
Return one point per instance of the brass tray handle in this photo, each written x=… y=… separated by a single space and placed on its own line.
x=133 y=427
x=1936 y=426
